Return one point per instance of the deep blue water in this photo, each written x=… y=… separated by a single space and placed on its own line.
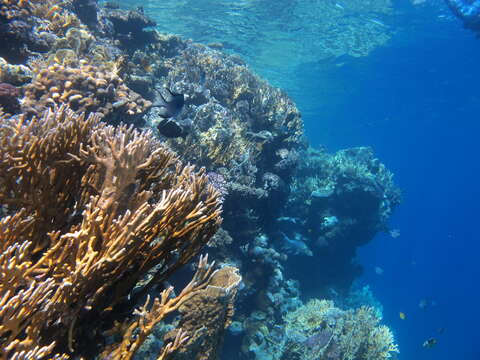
x=417 y=103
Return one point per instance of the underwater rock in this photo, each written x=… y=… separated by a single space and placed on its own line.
x=86 y=11
x=129 y=27
x=468 y=11
x=20 y=40
x=14 y=74
x=206 y=315
x=9 y=98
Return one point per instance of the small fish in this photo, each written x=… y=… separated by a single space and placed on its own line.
x=378 y=270
x=394 y=233
x=378 y=22
x=295 y=246
x=441 y=330
x=423 y=304
x=428 y=344
x=170 y=106
x=170 y=129
x=288 y=219
x=339 y=6
x=402 y=315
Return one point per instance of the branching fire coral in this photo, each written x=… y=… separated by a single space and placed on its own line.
x=91 y=209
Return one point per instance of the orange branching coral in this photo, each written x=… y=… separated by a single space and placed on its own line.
x=34 y=161
x=161 y=307
x=92 y=209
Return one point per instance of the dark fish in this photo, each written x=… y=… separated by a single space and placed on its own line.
x=170 y=129
x=170 y=106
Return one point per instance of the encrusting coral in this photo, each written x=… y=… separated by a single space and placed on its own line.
x=206 y=314
x=90 y=209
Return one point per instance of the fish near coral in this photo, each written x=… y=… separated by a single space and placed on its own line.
x=170 y=106
x=170 y=129
x=295 y=246
x=429 y=343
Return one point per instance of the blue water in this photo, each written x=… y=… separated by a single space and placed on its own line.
x=416 y=101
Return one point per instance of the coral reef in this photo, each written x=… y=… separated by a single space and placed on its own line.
x=340 y=201
x=14 y=74
x=232 y=111
x=84 y=87
x=92 y=209
x=205 y=315
x=65 y=62
x=97 y=219
x=319 y=330
x=30 y=27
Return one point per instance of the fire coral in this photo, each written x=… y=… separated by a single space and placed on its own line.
x=87 y=211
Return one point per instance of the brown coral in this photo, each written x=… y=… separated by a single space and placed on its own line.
x=92 y=209
x=206 y=314
x=84 y=87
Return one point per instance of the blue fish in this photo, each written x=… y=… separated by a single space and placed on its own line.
x=295 y=246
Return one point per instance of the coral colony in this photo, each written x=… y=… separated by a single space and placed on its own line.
x=103 y=217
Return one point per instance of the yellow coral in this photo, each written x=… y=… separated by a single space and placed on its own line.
x=350 y=334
